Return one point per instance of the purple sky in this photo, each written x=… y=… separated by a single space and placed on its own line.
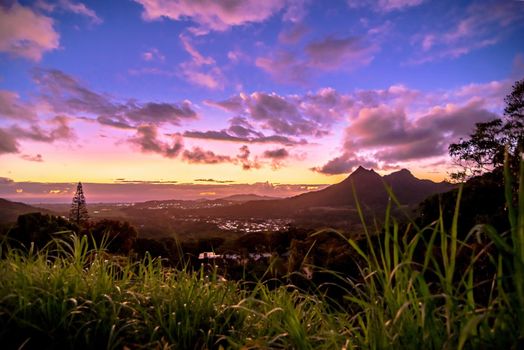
x=290 y=92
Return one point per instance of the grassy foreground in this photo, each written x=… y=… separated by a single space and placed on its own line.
x=418 y=288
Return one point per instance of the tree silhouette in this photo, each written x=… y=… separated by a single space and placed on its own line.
x=484 y=150
x=78 y=213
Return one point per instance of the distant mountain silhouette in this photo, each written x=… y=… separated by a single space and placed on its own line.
x=247 y=198
x=369 y=187
x=9 y=211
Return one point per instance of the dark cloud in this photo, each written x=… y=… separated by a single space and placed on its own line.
x=312 y=114
x=9 y=137
x=328 y=54
x=199 y=156
x=241 y=130
x=146 y=138
x=151 y=182
x=67 y=95
x=35 y=158
x=161 y=112
x=331 y=52
x=60 y=130
x=214 y=181
x=279 y=153
x=8 y=143
x=12 y=107
x=116 y=122
x=244 y=158
x=277 y=157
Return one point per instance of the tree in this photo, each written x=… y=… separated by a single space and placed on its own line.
x=120 y=236
x=78 y=213
x=484 y=150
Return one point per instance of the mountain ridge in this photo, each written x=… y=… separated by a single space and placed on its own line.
x=366 y=185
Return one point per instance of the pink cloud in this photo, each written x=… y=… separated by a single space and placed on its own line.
x=36 y=158
x=25 y=33
x=200 y=70
x=153 y=55
x=80 y=9
x=146 y=138
x=384 y=5
x=312 y=114
x=328 y=54
x=211 y=14
x=12 y=107
x=395 y=125
x=484 y=24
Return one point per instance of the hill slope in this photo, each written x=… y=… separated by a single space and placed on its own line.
x=9 y=211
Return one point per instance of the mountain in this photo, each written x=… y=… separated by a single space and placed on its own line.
x=9 y=211
x=247 y=198
x=410 y=190
x=367 y=185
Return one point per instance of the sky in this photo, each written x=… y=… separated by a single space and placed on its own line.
x=274 y=94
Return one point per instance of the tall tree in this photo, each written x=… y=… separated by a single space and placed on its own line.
x=78 y=213
x=484 y=149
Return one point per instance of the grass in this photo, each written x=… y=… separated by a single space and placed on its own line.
x=419 y=287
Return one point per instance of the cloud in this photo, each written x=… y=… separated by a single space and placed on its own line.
x=146 y=138
x=279 y=153
x=240 y=130
x=384 y=135
x=67 y=95
x=153 y=55
x=211 y=15
x=277 y=157
x=328 y=54
x=25 y=33
x=212 y=180
x=12 y=107
x=80 y=9
x=384 y=5
x=332 y=53
x=484 y=24
x=36 y=158
x=8 y=143
x=244 y=158
x=60 y=131
x=312 y=114
x=149 y=182
x=294 y=34
x=201 y=70
x=199 y=156
x=38 y=192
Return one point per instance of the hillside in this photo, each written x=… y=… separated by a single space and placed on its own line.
x=9 y=211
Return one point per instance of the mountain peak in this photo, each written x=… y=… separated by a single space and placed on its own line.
x=362 y=173
x=403 y=172
x=362 y=170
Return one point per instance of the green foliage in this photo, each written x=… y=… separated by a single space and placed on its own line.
x=121 y=235
x=39 y=229
x=484 y=149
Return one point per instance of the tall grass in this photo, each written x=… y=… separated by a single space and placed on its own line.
x=418 y=287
